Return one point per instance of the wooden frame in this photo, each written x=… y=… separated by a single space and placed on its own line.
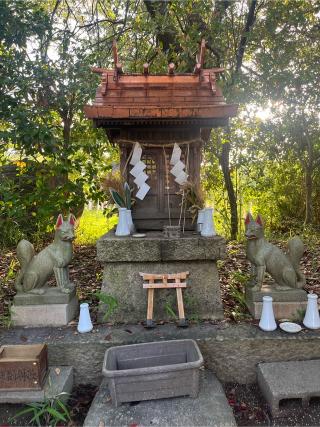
x=165 y=281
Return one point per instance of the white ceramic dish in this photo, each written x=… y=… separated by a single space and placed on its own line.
x=138 y=235
x=290 y=327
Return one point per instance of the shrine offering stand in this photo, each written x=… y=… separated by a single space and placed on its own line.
x=123 y=258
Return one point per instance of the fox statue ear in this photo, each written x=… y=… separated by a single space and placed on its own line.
x=59 y=221
x=72 y=219
x=248 y=218
x=259 y=220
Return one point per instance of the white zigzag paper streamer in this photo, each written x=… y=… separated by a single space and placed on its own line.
x=178 y=166
x=138 y=172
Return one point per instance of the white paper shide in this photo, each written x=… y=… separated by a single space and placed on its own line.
x=138 y=172
x=178 y=169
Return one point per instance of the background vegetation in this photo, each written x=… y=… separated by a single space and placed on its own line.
x=51 y=158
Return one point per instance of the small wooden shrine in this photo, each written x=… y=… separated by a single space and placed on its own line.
x=158 y=111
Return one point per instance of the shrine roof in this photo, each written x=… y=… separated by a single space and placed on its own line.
x=130 y=98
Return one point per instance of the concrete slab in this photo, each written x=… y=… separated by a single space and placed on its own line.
x=231 y=350
x=287 y=303
x=45 y=314
x=59 y=380
x=209 y=409
x=289 y=380
x=51 y=296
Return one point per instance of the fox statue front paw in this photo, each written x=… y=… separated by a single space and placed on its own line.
x=67 y=288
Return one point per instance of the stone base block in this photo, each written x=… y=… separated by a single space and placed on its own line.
x=123 y=258
x=51 y=296
x=287 y=303
x=202 y=297
x=211 y=408
x=59 y=380
x=289 y=380
x=45 y=314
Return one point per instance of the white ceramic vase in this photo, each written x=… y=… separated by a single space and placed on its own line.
x=207 y=229
x=267 y=320
x=312 y=319
x=130 y=222
x=85 y=324
x=200 y=220
x=122 y=226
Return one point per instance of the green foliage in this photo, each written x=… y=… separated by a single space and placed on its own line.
x=170 y=311
x=117 y=198
x=127 y=195
x=6 y=317
x=271 y=66
x=236 y=289
x=92 y=225
x=50 y=412
x=110 y=301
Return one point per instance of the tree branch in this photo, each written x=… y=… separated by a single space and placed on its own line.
x=251 y=17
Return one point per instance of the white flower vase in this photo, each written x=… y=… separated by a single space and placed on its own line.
x=122 y=226
x=200 y=220
x=312 y=319
x=207 y=229
x=130 y=222
x=267 y=321
x=85 y=324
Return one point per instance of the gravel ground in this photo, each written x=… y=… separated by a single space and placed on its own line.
x=250 y=408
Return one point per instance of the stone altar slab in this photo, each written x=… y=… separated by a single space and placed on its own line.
x=287 y=303
x=53 y=308
x=123 y=258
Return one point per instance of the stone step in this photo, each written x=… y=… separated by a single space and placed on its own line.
x=59 y=380
x=210 y=408
x=289 y=380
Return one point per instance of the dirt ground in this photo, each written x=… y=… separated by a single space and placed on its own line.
x=250 y=408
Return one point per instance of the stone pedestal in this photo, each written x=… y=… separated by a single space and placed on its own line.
x=287 y=303
x=53 y=308
x=124 y=258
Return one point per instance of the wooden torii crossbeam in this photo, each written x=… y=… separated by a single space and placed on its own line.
x=165 y=281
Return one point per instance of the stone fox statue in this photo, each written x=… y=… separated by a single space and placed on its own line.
x=265 y=256
x=55 y=258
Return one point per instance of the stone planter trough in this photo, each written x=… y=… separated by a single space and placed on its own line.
x=153 y=370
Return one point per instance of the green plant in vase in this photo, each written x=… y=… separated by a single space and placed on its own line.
x=118 y=195
x=193 y=199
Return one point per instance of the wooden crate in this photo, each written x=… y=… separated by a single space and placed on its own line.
x=23 y=366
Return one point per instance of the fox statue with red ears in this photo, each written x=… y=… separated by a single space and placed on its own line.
x=266 y=257
x=36 y=270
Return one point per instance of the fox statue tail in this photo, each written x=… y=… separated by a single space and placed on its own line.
x=296 y=250
x=25 y=253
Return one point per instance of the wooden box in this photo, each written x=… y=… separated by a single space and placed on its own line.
x=23 y=366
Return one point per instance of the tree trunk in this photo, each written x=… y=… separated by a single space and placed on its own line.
x=224 y=163
x=309 y=167
x=308 y=185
